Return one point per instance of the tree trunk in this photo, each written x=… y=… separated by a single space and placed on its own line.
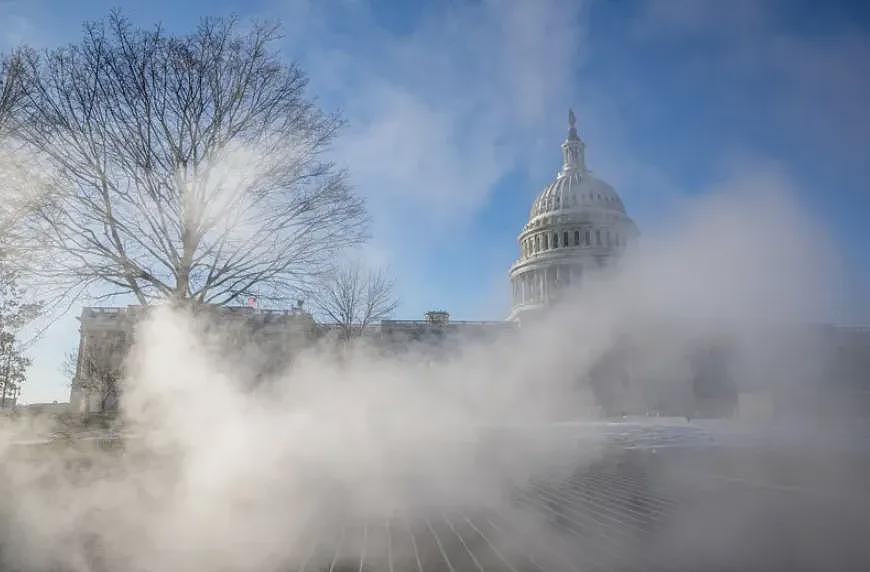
x=5 y=383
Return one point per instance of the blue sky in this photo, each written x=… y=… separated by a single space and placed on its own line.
x=456 y=111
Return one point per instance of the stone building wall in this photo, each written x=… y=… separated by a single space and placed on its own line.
x=267 y=337
x=267 y=340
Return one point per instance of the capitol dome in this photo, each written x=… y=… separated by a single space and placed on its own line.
x=576 y=224
x=576 y=191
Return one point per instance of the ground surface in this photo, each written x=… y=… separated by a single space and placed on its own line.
x=662 y=496
x=657 y=494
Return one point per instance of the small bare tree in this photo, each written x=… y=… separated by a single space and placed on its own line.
x=190 y=168
x=353 y=298
x=15 y=314
x=96 y=370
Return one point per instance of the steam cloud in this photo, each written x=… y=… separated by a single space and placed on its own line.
x=220 y=474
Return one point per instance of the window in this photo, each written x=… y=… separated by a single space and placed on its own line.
x=546 y=241
x=576 y=238
x=565 y=238
x=598 y=237
x=588 y=238
x=555 y=240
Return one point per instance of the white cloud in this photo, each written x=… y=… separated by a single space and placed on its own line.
x=439 y=115
x=412 y=152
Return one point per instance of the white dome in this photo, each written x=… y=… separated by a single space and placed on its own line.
x=576 y=224
x=575 y=191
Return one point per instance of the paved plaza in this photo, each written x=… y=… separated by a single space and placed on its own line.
x=661 y=496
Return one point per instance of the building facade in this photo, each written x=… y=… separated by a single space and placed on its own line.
x=268 y=337
x=576 y=225
x=267 y=340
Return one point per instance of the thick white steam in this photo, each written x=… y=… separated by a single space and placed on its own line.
x=219 y=473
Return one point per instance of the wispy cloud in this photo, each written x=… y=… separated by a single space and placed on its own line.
x=440 y=113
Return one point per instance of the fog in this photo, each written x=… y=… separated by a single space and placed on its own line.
x=219 y=473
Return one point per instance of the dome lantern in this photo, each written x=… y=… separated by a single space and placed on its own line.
x=573 y=149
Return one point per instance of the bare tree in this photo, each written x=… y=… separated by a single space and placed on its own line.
x=15 y=314
x=96 y=370
x=191 y=168
x=353 y=298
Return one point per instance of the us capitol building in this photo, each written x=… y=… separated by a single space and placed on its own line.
x=577 y=224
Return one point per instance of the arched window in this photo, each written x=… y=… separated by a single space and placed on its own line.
x=546 y=241
x=565 y=238
x=555 y=240
x=598 y=237
x=588 y=237
x=576 y=238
